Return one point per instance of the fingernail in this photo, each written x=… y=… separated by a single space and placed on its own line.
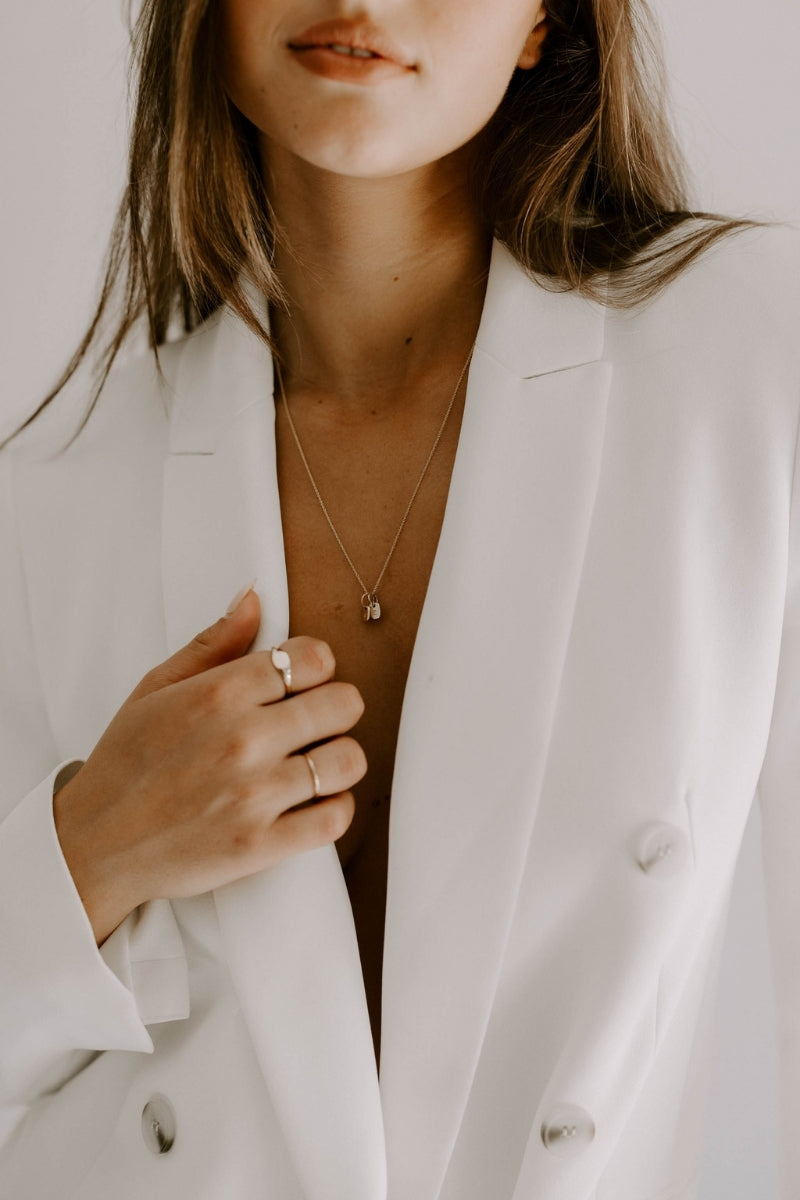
x=239 y=597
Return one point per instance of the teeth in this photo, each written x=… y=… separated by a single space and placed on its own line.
x=351 y=50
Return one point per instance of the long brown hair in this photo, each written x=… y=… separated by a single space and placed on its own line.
x=578 y=173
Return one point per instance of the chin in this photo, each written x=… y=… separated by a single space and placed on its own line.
x=361 y=157
x=367 y=153
x=364 y=166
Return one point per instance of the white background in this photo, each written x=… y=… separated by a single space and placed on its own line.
x=734 y=75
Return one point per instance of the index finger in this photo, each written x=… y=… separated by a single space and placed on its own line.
x=254 y=678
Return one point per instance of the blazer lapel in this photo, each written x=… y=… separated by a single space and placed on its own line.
x=288 y=933
x=480 y=701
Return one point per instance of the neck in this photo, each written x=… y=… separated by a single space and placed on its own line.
x=385 y=278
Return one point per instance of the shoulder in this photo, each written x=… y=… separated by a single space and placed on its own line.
x=737 y=303
x=751 y=274
x=83 y=465
x=90 y=487
x=130 y=415
x=130 y=405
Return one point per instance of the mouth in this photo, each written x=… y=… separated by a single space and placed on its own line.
x=337 y=48
x=352 y=40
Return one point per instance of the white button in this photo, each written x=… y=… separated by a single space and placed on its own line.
x=567 y=1131
x=663 y=850
x=158 y=1125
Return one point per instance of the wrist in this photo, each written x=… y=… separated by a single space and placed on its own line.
x=100 y=887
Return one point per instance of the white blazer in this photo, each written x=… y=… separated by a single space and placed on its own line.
x=606 y=673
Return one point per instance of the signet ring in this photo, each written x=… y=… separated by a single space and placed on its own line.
x=281 y=662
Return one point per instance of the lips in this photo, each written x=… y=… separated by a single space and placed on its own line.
x=360 y=39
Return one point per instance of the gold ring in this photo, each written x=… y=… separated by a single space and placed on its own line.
x=281 y=662
x=314 y=776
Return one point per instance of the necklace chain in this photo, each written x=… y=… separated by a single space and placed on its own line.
x=370 y=605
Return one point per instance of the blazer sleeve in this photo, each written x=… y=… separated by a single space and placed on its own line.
x=779 y=794
x=59 y=998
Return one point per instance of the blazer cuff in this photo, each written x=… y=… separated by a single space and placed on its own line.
x=146 y=954
x=145 y=951
x=58 y=994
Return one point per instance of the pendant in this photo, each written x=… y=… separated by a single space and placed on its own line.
x=370 y=607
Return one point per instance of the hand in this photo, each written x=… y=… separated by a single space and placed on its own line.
x=197 y=779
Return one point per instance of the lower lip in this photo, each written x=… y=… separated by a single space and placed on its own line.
x=319 y=60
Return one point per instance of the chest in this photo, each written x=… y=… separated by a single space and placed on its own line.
x=365 y=482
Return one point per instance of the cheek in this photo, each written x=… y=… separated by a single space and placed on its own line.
x=245 y=36
x=463 y=91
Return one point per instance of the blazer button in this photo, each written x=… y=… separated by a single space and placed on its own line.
x=158 y=1125
x=567 y=1131
x=663 y=850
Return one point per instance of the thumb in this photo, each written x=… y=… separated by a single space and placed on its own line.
x=228 y=638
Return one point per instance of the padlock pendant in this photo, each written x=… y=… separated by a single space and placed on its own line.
x=370 y=607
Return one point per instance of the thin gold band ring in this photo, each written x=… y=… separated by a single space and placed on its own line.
x=314 y=776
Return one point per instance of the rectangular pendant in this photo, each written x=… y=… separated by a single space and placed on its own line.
x=370 y=607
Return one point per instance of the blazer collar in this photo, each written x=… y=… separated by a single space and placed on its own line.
x=532 y=327
x=528 y=326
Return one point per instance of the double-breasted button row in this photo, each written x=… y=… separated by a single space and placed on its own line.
x=567 y=1131
x=663 y=852
x=158 y=1125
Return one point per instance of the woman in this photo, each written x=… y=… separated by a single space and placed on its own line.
x=596 y=675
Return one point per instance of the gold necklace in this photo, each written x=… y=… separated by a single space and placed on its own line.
x=370 y=604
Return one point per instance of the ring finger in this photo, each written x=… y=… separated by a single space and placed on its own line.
x=331 y=767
